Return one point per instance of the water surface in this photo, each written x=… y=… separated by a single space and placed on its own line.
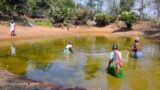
x=45 y=61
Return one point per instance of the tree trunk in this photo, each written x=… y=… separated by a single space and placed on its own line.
x=141 y=10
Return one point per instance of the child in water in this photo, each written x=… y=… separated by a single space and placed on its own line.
x=115 y=57
x=68 y=48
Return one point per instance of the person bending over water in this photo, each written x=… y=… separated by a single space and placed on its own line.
x=115 y=57
x=68 y=48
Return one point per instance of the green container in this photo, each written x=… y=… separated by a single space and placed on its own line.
x=112 y=71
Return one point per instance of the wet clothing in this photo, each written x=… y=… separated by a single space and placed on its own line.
x=138 y=55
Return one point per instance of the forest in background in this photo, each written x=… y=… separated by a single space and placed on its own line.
x=78 y=12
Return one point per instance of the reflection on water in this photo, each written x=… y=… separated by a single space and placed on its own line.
x=45 y=61
x=13 y=47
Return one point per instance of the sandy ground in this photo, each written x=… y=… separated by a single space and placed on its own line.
x=41 y=32
x=9 y=81
x=36 y=32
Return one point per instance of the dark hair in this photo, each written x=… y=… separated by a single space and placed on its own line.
x=12 y=21
x=114 y=46
x=70 y=42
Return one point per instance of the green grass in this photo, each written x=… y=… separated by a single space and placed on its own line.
x=45 y=23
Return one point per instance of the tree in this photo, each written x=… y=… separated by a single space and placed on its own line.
x=128 y=17
x=141 y=9
x=62 y=11
x=126 y=5
x=100 y=19
x=157 y=2
x=95 y=5
x=38 y=7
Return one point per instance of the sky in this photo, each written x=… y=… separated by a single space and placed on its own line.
x=149 y=11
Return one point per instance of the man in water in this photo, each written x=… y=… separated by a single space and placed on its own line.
x=115 y=57
x=68 y=48
x=12 y=28
x=137 y=48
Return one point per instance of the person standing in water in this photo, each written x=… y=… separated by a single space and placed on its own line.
x=137 y=48
x=68 y=48
x=12 y=28
x=116 y=58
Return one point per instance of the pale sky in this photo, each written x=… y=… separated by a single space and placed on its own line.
x=149 y=11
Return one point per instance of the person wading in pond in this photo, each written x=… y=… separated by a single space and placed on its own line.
x=12 y=28
x=137 y=48
x=116 y=58
x=68 y=48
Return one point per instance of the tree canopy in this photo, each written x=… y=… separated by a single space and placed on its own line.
x=72 y=11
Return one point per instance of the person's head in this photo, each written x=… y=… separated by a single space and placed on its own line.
x=114 y=47
x=70 y=43
x=12 y=21
x=136 y=39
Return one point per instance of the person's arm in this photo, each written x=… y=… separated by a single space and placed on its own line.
x=110 y=59
x=14 y=26
x=70 y=49
x=120 y=56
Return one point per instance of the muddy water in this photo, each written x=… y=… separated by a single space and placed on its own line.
x=45 y=61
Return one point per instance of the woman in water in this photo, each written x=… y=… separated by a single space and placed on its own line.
x=116 y=58
x=68 y=48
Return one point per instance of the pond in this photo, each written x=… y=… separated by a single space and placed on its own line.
x=44 y=61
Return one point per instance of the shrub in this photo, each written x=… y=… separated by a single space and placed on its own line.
x=100 y=19
x=61 y=15
x=110 y=19
x=82 y=15
x=128 y=17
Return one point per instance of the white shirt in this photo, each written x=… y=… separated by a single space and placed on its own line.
x=112 y=55
x=68 y=46
x=12 y=27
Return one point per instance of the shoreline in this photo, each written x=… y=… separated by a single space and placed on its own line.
x=11 y=82
x=34 y=32
x=38 y=32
